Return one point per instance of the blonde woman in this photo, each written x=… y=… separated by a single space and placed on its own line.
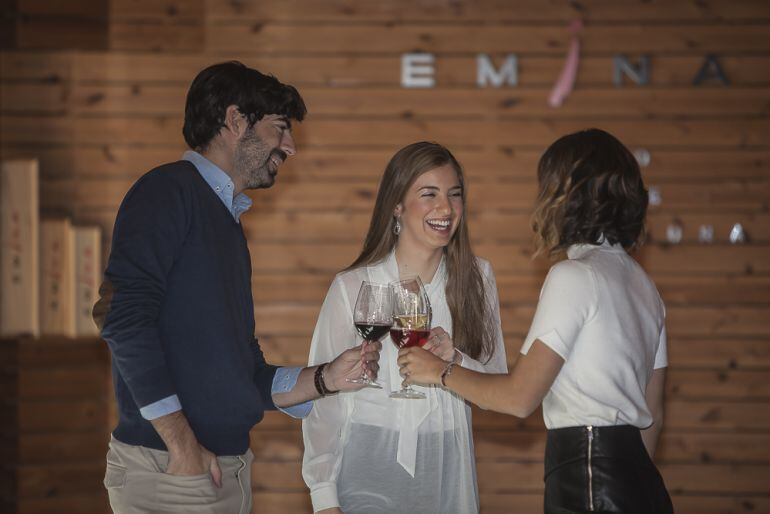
x=595 y=355
x=367 y=452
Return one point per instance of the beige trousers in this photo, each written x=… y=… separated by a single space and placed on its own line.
x=136 y=483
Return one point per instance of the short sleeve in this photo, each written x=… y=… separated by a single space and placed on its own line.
x=661 y=356
x=567 y=302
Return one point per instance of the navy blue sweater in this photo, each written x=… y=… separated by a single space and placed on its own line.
x=178 y=313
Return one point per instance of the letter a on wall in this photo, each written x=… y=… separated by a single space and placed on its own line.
x=711 y=69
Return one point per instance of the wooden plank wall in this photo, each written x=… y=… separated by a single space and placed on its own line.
x=55 y=404
x=98 y=120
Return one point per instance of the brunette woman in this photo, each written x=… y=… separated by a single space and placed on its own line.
x=595 y=355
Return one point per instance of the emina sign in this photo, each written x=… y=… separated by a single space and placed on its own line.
x=418 y=71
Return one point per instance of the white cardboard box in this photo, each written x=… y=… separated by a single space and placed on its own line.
x=57 y=278
x=88 y=271
x=19 y=240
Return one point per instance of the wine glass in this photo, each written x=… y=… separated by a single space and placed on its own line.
x=372 y=317
x=411 y=322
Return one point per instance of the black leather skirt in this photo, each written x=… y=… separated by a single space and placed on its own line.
x=602 y=469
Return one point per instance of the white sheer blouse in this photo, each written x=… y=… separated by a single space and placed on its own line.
x=366 y=452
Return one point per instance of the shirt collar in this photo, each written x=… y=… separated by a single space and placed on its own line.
x=439 y=278
x=220 y=183
x=579 y=250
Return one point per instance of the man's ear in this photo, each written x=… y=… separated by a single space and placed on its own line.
x=235 y=122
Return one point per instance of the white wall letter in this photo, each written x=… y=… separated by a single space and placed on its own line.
x=640 y=74
x=417 y=70
x=487 y=75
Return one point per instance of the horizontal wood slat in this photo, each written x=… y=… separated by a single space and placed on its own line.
x=514 y=258
x=51 y=447
x=273 y=226
x=311 y=288
x=135 y=35
x=165 y=131
x=170 y=11
x=607 y=102
x=95 y=502
x=507 y=163
x=80 y=381
x=340 y=11
x=94 y=193
x=470 y=11
x=260 y=37
x=62 y=415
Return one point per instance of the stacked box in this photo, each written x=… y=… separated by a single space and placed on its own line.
x=87 y=278
x=57 y=274
x=19 y=226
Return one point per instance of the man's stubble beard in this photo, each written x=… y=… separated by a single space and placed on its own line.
x=252 y=160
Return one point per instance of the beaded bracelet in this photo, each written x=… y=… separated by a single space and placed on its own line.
x=447 y=371
x=320 y=384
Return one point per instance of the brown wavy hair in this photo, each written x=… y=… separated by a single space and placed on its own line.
x=590 y=187
x=472 y=329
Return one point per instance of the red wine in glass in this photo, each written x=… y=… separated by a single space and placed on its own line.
x=372 y=317
x=372 y=331
x=411 y=322
x=405 y=337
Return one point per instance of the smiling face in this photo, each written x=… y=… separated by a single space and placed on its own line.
x=262 y=149
x=431 y=209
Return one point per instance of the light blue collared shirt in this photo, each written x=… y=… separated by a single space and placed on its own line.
x=285 y=378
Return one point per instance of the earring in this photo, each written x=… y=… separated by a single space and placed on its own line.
x=397 y=227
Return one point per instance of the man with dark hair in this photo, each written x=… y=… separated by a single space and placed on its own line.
x=176 y=308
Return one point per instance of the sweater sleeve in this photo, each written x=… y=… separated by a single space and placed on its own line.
x=263 y=376
x=150 y=231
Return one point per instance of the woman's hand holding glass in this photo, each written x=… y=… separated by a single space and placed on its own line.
x=411 y=322
x=441 y=345
x=419 y=366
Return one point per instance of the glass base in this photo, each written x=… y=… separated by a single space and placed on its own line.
x=364 y=381
x=408 y=394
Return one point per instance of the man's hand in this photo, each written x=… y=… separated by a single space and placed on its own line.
x=186 y=456
x=194 y=461
x=350 y=364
